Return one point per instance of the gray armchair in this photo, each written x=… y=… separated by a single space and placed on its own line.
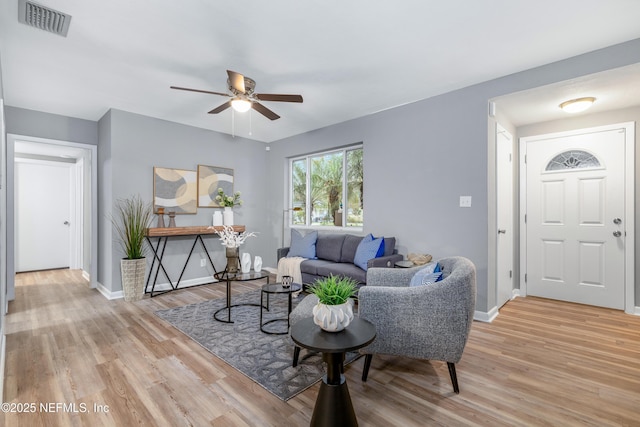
x=424 y=322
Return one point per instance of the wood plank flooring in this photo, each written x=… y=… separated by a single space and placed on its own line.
x=112 y=363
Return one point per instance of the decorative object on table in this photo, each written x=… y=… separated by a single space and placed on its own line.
x=210 y=180
x=257 y=263
x=175 y=189
x=334 y=310
x=245 y=262
x=232 y=260
x=232 y=241
x=241 y=344
x=131 y=221
x=287 y=281
x=419 y=259
x=160 y=213
x=284 y=216
x=172 y=219
x=227 y=216
x=228 y=202
x=217 y=218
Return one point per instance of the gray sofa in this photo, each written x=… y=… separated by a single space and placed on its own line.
x=336 y=252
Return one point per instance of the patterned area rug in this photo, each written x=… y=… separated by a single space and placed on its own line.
x=264 y=358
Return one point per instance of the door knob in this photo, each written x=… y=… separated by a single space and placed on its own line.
x=502 y=231
x=617 y=221
x=66 y=223
x=617 y=234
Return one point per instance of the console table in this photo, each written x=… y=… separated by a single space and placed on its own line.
x=162 y=235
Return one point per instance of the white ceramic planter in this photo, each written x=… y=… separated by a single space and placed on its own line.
x=133 y=272
x=333 y=318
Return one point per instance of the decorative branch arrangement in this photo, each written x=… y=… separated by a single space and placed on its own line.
x=231 y=239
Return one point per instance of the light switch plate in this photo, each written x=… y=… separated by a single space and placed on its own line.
x=465 y=201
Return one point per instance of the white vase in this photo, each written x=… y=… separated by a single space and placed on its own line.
x=245 y=262
x=228 y=216
x=333 y=318
x=257 y=263
x=132 y=273
x=217 y=218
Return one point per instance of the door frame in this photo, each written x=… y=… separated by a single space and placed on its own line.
x=92 y=199
x=629 y=203
x=512 y=232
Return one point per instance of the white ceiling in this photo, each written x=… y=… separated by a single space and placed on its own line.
x=347 y=58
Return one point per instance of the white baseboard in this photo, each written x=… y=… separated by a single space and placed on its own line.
x=488 y=316
x=86 y=276
x=110 y=295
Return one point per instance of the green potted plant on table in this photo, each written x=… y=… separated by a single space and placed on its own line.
x=334 y=310
x=131 y=220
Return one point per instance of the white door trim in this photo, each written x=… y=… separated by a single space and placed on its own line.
x=629 y=208
x=92 y=151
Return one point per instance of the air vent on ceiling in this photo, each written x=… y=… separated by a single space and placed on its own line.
x=41 y=17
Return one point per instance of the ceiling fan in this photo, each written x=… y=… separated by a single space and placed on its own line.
x=243 y=97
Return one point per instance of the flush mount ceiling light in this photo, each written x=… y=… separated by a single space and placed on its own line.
x=577 y=105
x=240 y=105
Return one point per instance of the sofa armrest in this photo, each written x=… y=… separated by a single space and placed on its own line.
x=388 y=261
x=282 y=252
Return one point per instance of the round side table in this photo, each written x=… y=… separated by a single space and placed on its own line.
x=276 y=288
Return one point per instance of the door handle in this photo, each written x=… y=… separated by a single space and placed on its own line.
x=617 y=233
x=501 y=231
x=617 y=221
x=66 y=223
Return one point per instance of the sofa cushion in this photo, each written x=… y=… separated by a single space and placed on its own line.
x=346 y=269
x=303 y=246
x=329 y=246
x=310 y=266
x=368 y=248
x=349 y=248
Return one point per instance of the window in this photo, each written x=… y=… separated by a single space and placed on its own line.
x=573 y=159
x=327 y=189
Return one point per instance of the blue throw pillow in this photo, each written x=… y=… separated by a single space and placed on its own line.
x=432 y=273
x=303 y=246
x=368 y=248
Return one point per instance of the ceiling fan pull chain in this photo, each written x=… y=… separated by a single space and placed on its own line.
x=250 y=124
x=233 y=124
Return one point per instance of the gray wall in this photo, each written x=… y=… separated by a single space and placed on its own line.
x=419 y=158
x=21 y=121
x=131 y=145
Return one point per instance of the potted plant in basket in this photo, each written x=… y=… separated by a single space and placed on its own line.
x=334 y=310
x=131 y=219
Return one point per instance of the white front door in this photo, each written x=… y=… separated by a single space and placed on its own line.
x=575 y=218
x=504 y=179
x=42 y=214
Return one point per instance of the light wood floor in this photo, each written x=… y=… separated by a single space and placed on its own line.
x=540 y=362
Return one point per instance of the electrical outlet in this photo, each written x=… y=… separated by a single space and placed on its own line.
x=465 y=201
x=203 y=262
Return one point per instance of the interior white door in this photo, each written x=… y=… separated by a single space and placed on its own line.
x=42 y=214
x=575 y=218
x=504 y=178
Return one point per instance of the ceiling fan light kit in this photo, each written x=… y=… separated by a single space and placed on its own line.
x=241 y=105
x=577 y=105
x=243 y=97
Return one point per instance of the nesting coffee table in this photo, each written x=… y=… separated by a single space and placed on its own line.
x=237 y=277
x=273 y=289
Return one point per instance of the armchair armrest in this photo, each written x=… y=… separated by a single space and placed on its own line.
x=282 y=252
x=384 y=261
x=392 y=277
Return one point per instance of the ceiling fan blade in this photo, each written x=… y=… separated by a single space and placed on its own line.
x=221 y=108
x=236 y=80
x=264 y=111
x=278 y=97
x=198 y=90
